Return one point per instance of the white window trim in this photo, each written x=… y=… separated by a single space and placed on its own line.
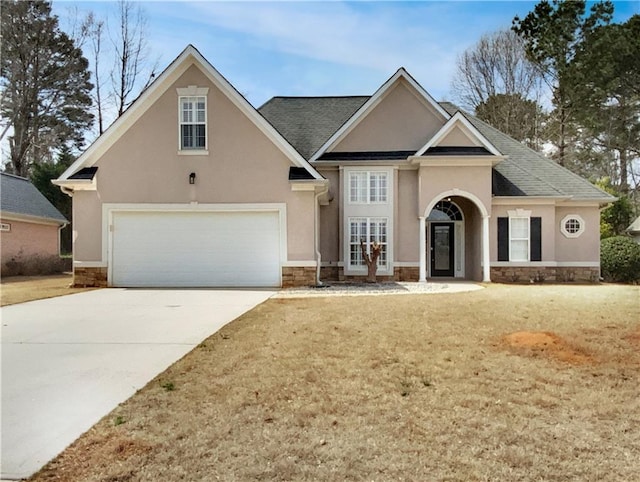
x=193 y=91
x=520 y=214
x=563 y=227
x=368 y=220
x=6 y=227
x=371 y=210
x=367 y=186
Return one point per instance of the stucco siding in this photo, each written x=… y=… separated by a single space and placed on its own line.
x=407 y=225
x=330 y=220
x=87 y=226
x=547 y=213
x=399 y=122
x=457 y=138
x=436 y=180
x=26 y=240
x=556 y=247
x=472 y=237
x=242 y=166
x=586 y=247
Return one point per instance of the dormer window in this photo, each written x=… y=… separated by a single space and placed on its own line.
x=193 y=119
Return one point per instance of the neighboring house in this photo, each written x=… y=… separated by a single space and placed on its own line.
x=192 y=186
x=634 y=230
x=29 y=224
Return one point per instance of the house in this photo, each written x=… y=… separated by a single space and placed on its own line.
x=193 y=186
x=29 y=224
x=634 y=230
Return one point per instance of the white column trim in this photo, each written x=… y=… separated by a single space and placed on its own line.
x=423 y=249
x=486 y=264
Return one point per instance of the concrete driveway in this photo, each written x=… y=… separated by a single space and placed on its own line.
x=68 y=361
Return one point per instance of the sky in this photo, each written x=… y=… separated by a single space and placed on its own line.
x=301 y=48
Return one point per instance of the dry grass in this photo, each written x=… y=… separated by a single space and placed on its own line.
x=18 y=289
x=432 y=387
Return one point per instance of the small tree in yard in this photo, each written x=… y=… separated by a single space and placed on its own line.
x=371 y=259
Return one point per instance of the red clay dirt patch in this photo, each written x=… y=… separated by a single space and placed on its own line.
x=546 y=343
x=634 y=336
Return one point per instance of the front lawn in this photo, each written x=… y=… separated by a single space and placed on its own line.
x=506 y=383
x=19 y=289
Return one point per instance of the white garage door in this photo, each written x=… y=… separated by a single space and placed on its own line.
x=195 y=249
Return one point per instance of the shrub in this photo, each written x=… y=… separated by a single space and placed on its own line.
x=620 y=259
x=34 y=265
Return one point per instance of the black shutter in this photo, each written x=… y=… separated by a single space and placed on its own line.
x=536 y=239
x=503 y=239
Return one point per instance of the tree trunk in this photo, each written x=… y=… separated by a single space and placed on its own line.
x=624 y=171
x=562 y=144
x=371 y=259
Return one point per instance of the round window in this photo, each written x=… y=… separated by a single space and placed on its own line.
x=572 y=226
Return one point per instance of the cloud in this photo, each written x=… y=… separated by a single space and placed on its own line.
x=350 y=34
x=303 y=45
x=323 y=48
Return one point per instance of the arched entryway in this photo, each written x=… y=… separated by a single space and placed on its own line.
x=454 y=237
x=446 y=240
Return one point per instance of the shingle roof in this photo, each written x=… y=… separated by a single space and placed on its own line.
x=526 y=172
x=19 y=196
x=307 y=123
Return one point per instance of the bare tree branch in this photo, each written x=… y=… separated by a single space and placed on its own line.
x=131 y=54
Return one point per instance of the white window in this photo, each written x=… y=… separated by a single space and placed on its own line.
x=572 y=226
x=368 y=187
x=358 y=187
x=5 y=227
x=193 y=123
x=519 y=239
x=369 y=230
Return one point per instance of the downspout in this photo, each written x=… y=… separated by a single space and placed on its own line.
x=60 y=228
x=316 y=227
x=68 y=192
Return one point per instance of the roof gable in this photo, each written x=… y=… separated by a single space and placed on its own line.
x=526 y=172
x=401 y=79
x=189 y=56
x=19 y=197
x=634 y=227
x=456 y=127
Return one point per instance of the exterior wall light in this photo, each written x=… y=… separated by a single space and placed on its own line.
x=192 y=178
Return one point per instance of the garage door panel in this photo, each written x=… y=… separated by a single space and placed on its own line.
x=196 y=249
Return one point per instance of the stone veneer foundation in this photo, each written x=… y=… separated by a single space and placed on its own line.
x=293 y=276
x=306 y=276
x=540 y=274
x=90 y=277
x=336 y=273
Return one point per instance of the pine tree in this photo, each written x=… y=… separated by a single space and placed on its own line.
x=607 y=73
x=553 y=33
x=45 y=85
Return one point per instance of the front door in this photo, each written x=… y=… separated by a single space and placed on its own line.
x=442 y=252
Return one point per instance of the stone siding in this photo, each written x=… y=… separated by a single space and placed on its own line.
x=90 y=277
x=293 y=276
x=403 y=273
x=541 y=274
x=406 y=273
